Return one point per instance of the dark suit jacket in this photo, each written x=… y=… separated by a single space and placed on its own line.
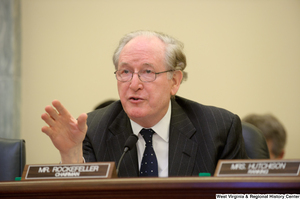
x=199 y=136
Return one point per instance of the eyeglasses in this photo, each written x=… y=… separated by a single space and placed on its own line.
x=146 y=75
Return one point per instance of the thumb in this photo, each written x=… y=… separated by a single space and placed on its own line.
x=82 y=122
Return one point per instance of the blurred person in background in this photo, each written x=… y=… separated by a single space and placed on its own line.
x=273 y=130
x=104 y=104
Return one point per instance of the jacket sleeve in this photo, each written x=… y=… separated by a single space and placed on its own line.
x=235 y=146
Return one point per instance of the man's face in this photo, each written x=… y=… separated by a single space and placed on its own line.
x=270 y=145
x=145 y=102
x=272 y=155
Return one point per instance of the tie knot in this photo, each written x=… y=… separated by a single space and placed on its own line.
x=147 y=135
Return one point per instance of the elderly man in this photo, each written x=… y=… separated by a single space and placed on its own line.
x=184 y=138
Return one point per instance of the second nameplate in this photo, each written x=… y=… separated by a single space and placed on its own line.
x=258 y=168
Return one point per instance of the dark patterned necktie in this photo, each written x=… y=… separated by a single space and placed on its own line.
x=149 y=162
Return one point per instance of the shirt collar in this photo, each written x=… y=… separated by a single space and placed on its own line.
x=161 y=128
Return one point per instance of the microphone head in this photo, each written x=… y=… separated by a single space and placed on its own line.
x=130 y=142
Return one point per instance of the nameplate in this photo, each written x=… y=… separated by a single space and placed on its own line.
x=70 y=171
x=257 y=168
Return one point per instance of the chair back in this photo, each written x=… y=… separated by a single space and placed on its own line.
x=12 y=158
x=255 y=142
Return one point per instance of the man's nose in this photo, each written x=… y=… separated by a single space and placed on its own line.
x=136 y=78
x=135 y=83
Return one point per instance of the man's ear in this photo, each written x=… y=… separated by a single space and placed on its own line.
x=176 y=81
x=281 y=155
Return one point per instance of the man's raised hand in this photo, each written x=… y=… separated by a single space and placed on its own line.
x=66 y=133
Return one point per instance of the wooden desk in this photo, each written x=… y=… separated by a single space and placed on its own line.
x=185 y=187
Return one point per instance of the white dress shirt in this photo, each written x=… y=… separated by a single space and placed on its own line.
x=160 y=142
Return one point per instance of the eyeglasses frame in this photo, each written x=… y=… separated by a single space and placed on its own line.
x=171 y=70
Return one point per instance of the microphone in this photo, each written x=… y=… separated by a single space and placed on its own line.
x=129 y=144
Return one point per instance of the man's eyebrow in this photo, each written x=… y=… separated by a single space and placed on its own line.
x=127 y=64
x=148 y=64
x=123 y=64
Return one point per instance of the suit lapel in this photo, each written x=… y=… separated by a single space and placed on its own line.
x=182 y=149
x=120 y=130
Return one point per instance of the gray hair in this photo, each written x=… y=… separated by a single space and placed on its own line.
x=271 y=128
x=174 y=56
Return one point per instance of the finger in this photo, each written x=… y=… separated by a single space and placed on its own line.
x=60 y=108
x=82 y=122
x=46 y=130
x=52 y=112
x=48 y=119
